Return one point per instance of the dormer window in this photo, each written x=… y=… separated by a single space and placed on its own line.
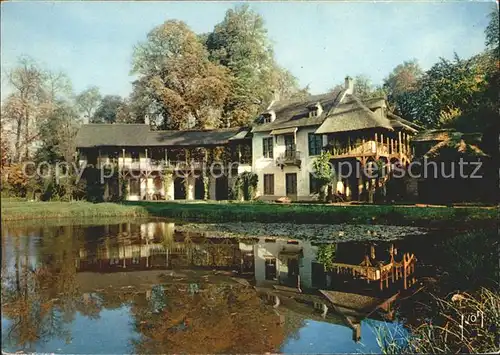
x=315 y=110
x=268 y=117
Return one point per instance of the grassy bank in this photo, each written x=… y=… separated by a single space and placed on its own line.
x=322 y=214
x=13 y=210
x=213 y=212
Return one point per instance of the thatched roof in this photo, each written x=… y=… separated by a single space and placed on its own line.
x=94 y=135
x=455 y=146
x=341 y=112
x=351 y=115
x=434 y=135
x=295 y=112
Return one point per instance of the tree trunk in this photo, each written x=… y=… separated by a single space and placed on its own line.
x=17 y=158
x=26 y=133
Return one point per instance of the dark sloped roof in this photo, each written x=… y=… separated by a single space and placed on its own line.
x=434 y=135
x=461 y=147
x=93 y=135
x=295 y=113
x=351 y=115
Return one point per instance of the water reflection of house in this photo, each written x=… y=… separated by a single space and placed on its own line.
x=367 y=266
x=157 y=245
x=285 y=262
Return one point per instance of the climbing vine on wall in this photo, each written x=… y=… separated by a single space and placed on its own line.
x=206 y=186
x=323 y=172
x=326 y=255
x=245 y=186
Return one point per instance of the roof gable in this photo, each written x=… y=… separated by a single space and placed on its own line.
x=352 y=114
x=295 y=112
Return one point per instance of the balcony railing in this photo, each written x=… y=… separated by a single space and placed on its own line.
x=289 y=157
x=368 y=148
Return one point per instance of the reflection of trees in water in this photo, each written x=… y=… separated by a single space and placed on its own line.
x=41 y=298
x=215 y=318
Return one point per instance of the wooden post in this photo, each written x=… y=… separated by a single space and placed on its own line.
x=388 y=145
x=399 y=143
x=147 y=173
x=363 y=145
x=404 y=271
x=381 y=140
x=98 y=157
x=348 y=144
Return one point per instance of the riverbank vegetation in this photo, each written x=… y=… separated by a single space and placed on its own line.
x=262 y=213
x=13 y=210
x=322 y=214
x=464 y=283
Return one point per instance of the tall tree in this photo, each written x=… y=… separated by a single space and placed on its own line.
x=401 y=85
x=174 y=70
x=240 y=43
x=448 y=90
x=107 y=109
x=27 y=79
x=58 y=133
x=492 y=31
x=88 y=101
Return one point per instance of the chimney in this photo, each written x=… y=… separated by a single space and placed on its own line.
x=275 y=98
x=349 y=85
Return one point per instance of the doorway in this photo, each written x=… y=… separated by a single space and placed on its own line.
x=179 y=189
x=221 y=188
x=291 y=184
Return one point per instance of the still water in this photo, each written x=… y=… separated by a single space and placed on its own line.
x=146 y=287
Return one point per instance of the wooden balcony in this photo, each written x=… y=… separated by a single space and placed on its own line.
x=291 y=157
x=369 y=149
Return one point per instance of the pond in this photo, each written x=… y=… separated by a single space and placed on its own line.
x=156 y=287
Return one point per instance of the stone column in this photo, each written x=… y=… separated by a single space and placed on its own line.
x=168 y=185
x=190 y=187
x=212 y=195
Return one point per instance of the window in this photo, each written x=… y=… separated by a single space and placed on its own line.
x=266 y=119
x=270 y=269
x=268 y=184
x=315 y=144
x=135 y=156
x=314 y=185
x=267 y=147
x=313 y=112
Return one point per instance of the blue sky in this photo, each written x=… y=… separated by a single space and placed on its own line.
x=320 y=42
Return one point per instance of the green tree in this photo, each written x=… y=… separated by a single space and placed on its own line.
x=492 y=32
x=88 y=101
x=240 y=43
x=363 y=87
x=401 y=85
x=174 y=71
x=323 y=172
x=107 y=110
x=449 y=89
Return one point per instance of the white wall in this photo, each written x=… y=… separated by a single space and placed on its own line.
x=263 y=250
x=263 y=165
